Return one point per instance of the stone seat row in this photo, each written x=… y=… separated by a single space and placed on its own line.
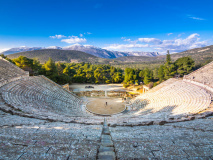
x=31 y=97
x=204 y=75
x=9 y=70
x=178 y=98
x=31 y=84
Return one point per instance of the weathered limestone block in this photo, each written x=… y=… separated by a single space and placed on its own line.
x=107 y=155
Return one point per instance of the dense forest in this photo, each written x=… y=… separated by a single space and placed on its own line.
x=63 y=73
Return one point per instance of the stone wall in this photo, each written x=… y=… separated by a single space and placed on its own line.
x=91 y=93
x=116 y=93
x=101 y=93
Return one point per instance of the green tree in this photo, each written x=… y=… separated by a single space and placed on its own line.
x=155 y=73
x=147 y=76
x=118 y=77
x=168 y=57
x=169 y=67
x=161 y=73
x=59 y=68
x=169 y=70
x=141 y=74
x=5 y=57
x=50 y=69
x=36 y=67
x=23 y=62
x=184 y=65
x=129 y=72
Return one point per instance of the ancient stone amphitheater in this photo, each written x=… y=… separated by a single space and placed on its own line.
x=42 y=120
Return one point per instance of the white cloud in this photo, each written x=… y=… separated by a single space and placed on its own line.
x=195 y=18
x=178 y=45
x=81 y=35
x=126 y=46
x=74 y=39
x=179 y=35
x=58 y=36
x=3 y=49
x=169 y=34
x=88 y=33
x=174 y=45
x=127 y=40
x=149 y=40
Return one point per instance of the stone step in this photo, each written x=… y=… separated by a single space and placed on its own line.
x=106 y=137
x=105 y=149
x=107 y=143
x=110 y=155
x=106 y=131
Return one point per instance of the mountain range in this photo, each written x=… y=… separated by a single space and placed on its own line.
x=20 y=49
x=96 y=51
x=200 y=55
x=68 y=56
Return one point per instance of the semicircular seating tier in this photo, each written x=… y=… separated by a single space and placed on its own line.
x=41 y=98
x=10 y=72
x=176 y=99
x=202 y=77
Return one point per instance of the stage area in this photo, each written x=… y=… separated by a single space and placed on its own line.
x=99 y=106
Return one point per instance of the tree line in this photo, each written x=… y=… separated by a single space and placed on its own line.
x=63 y=73
x=152 y=77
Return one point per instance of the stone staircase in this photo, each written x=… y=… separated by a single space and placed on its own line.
x=106 y=150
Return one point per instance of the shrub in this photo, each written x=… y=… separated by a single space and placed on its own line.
x=126 y=85
x=155 y=84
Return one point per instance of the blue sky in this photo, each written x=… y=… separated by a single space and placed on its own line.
x=125 y=25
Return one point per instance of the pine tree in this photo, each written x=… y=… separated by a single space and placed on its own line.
x=161 y=73
x=147 y=76
x=184 y=65
x=50 y=69
x=36 y=66
x=169 y=67
x=168 y=57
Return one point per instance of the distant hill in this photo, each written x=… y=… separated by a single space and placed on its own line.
x=136 y=59
x=59 y=55
x=200 y=55
x=20 y=49
x=95 y=51
x=104 y=53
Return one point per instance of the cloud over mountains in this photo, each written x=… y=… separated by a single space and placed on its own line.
x=71 y=39
x=126 y=47
x=58 y=36
x=74 y=39
x=174 y=45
